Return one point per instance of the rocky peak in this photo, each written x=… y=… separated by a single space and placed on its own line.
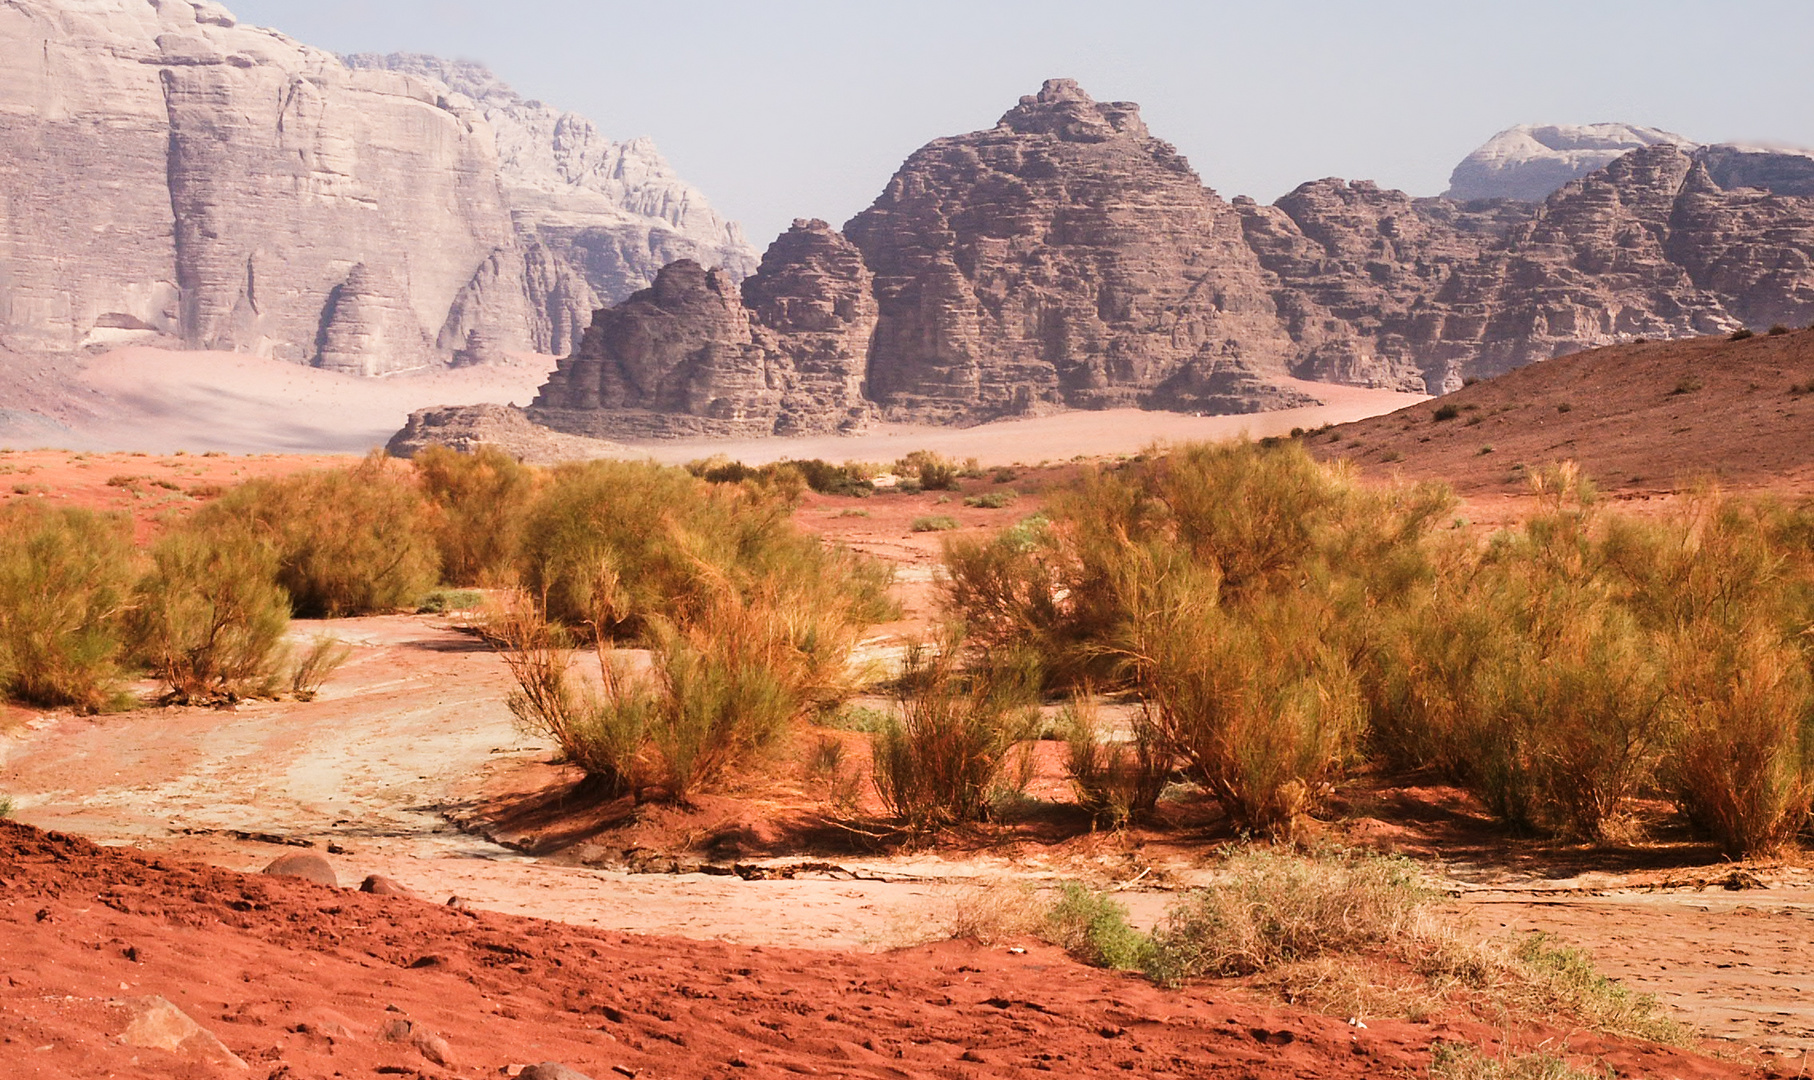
x=1063 y=109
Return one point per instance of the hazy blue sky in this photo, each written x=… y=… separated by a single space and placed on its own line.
x=803 y=108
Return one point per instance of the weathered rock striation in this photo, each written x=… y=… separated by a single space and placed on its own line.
x=1063 y=259
x=165 y=171
x=615 y=212
x=695 y=355
x=1067 y=259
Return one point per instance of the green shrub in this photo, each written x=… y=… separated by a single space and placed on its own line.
x=601 y=729
x=1117 y=782
x=65 y=583
x=1268 y=909
x=479 y=501
x=991 y=500
x=933 y=471
x=945 y=760
x=442 y=601
x=934 y=523
x=348 y=541
x=1093 y=927
x=1445 y=411
x=317 y=663
x=1562 y=979
x=1461 y=1061
x=209 y=617
x=6 y=808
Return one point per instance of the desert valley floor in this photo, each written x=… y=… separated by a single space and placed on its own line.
x=751 y=929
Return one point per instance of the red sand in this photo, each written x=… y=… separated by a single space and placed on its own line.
x=283 y=972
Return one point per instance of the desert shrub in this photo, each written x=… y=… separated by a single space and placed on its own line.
x=933 y=471
x=1117 y=781
x=830 y=770
x=1093 y=927
x=348 y=541
x=65 y=582
x=209 y=617
x=1446 y=411
x=317 y=663
x=1462 y=1061
x=726 y=684
x=599 y=728
x=1778 y=329
x=609 y=544
x=1723 y=585
x=1741 y=334
x=442 y=601
x=991 y=500
x=934 y=523
x=1524 y=674
x=945 y=760
x=479 y=501
x=1258 y=707
x=6 y=807
x=1268 y=909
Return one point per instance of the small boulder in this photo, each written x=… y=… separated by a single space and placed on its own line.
x=306 y=866
x=432 y=1046
x=154 y=1023
x=551 y=1070
x=379 y=885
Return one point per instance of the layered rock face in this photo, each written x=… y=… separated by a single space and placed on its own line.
x=1067 y=259
x=615 y=212
x=166 y=171
x=695 y=355
x=1063 y=259
x=1386 y=290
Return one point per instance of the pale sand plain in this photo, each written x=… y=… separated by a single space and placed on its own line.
x=162 y=400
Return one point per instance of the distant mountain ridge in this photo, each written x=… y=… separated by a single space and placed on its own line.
x=1530 y=162
x=1068 y=259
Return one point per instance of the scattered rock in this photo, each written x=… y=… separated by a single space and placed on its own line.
x=379 y=885
x=551 y=1070
x=307 y=866
x=156 y=1024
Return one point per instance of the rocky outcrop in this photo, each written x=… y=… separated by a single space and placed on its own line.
x=695 y=355
x=1067 y=259
x=1530 y=161
x=167 y=172
x=1064 y=259
x=614 y=211
x=468 y=427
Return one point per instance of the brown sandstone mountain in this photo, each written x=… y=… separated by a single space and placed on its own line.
x=1067 y=259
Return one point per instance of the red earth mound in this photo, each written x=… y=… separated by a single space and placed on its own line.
x=1645 y=416
x=303 y=980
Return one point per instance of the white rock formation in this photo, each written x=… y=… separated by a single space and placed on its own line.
x=617 y=211
x=168 y=173
x=1530 y=161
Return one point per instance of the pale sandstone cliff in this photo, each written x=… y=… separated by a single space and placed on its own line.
x=614 y=211
x=166 y=172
